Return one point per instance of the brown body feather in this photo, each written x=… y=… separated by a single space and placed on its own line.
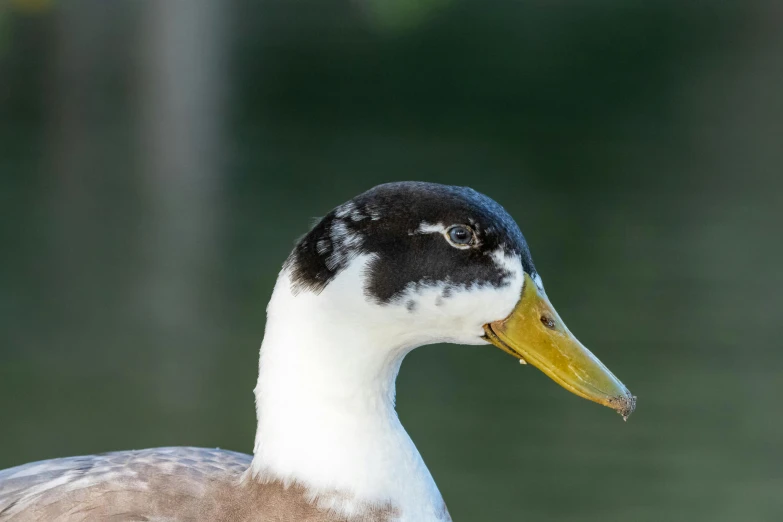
x=162 y=484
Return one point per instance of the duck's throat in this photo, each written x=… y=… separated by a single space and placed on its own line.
x=325 y=405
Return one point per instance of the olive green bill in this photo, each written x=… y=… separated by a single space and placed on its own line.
x=535 y=334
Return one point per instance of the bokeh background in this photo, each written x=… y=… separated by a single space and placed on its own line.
x=159 y=158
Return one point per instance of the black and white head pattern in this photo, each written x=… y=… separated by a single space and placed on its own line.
x=419 y=235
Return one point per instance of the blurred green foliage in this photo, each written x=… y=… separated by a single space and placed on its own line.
x=399 y=15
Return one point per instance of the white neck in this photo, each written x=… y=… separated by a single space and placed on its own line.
x=325 y=403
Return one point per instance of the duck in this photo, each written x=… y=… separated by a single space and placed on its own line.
x=402 y=265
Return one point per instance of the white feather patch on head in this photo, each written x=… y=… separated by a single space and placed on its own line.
x=430 y=228
x=322 y=246
x=538 y=281
x=374 y=212
x=344 y=242
x=345 y=209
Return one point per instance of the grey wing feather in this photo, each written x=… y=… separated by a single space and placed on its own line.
x=154 y=484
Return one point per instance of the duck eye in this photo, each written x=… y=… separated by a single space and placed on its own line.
x=461 y=236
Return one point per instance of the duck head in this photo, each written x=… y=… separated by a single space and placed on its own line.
x=425 y=263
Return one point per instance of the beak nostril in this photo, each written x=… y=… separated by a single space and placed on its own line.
x=548 y=322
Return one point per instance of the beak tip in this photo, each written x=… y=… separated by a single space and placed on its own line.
x=624 y=405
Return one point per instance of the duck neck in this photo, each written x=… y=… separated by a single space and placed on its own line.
x=325 y=404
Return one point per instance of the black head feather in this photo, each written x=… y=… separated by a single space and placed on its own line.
x=385 y=221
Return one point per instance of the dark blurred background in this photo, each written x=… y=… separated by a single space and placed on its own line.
x=159 y=158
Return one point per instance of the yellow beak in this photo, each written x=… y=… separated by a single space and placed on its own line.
x=534 y=333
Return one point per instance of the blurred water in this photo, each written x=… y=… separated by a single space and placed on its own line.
x=638 y=148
